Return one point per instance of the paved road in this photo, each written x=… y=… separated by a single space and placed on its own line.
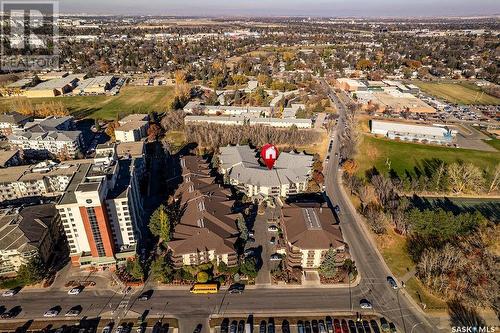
x=373 y=270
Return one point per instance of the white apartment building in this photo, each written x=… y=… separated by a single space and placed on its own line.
x=67 y=143
x=241 y=168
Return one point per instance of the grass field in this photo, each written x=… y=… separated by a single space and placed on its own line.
x=131 y=99
x=459 y=93
x=413 y=158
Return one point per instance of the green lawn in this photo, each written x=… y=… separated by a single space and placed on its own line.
x=421 y=295
x=393 y=248
x=459 y=92
x=411 y=157
x=131 y=99
x=495 y=143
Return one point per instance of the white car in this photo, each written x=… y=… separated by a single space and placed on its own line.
x=9 y=293
x=119 y=329
x=365 y=304
x=272 y=228
x=75 y=291
x=51 y=313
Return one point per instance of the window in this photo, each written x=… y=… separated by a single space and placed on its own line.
x=94 y=226
x=201 y=206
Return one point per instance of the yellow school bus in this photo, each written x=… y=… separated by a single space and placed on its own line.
x=205 y=288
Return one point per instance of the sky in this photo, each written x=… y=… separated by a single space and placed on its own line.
x=331 y=8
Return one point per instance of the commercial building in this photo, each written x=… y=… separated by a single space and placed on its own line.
x=102 y=210
x=54 y=87
x=26 y=233
x=19 y=87
x=241 y=168
x=11 y=122
x=350 y=85
x=309 y=231
x=94 y=86
x=207 y=230
x=412 y=132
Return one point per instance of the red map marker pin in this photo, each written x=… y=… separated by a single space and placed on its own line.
x=269 y=154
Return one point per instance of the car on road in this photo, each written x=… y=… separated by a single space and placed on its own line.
x=75 y=290
x=275 y=256
x=12 y=313
x=273 y=240
x=251 y=233
x=365 y=304
x=145 y=295
x=196 y=330
x=392 y=282
x=51 y=313
x=74 y=311
x=337 y=209
x=272 y=228
x=106 y=329
x=10 y=292
x=236 y=288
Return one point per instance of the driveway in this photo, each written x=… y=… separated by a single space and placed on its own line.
x=263 y=245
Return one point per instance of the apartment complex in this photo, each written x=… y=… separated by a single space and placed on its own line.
x=309 y=231
x=48 y=136
x=241 y=168
x=207 y=230
x=132 y=128
x=26 y=233
x=11 y=122
x=101 y=209
x=43 y=179
x=252 y=121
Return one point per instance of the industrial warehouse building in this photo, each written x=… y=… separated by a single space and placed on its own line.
x=412 y=132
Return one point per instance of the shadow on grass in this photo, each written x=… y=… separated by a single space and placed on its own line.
x=461 y=315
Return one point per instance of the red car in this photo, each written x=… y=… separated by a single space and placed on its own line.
x=345 y=328
x=336 y=324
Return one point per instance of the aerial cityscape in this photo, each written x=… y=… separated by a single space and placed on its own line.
x=249 y=166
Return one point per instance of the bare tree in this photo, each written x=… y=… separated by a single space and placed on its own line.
x=465 y=177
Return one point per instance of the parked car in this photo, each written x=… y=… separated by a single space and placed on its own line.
x=273 y=240
x=10 y=292
x=251 y=233
x=329 y=324
x=300 y=326
x=12 y=313
x=345 y=328
x=234 y=327
x=241 y=326
x=392 y=282
x=366 y=326
x=74 y=311
x=322 y=327
x=262 y=327
x=106 y=329
x=272 y=228
x=285 y=326
x=275 y=256
x=352 y=326
x=224 y=326
x=365 y=304
x=251 y=240
x=336 y=325
x=75 y=290
x=384 y=325
x=314 y=325
x=119 y=329
x=270 y=326
x=392 y=327
x=374 y=326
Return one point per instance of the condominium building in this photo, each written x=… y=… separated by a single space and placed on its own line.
x=207 y=230
x=101 y=210
x=132 y=128
x=309 y=231
x=25 y=233
x=11 y=122
x=46 y=143
x=241 y=168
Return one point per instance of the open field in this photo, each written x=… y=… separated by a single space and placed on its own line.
x=459 y=93
x=131 y=99
x=412 y=158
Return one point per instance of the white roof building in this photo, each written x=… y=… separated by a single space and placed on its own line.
x=411 y=132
